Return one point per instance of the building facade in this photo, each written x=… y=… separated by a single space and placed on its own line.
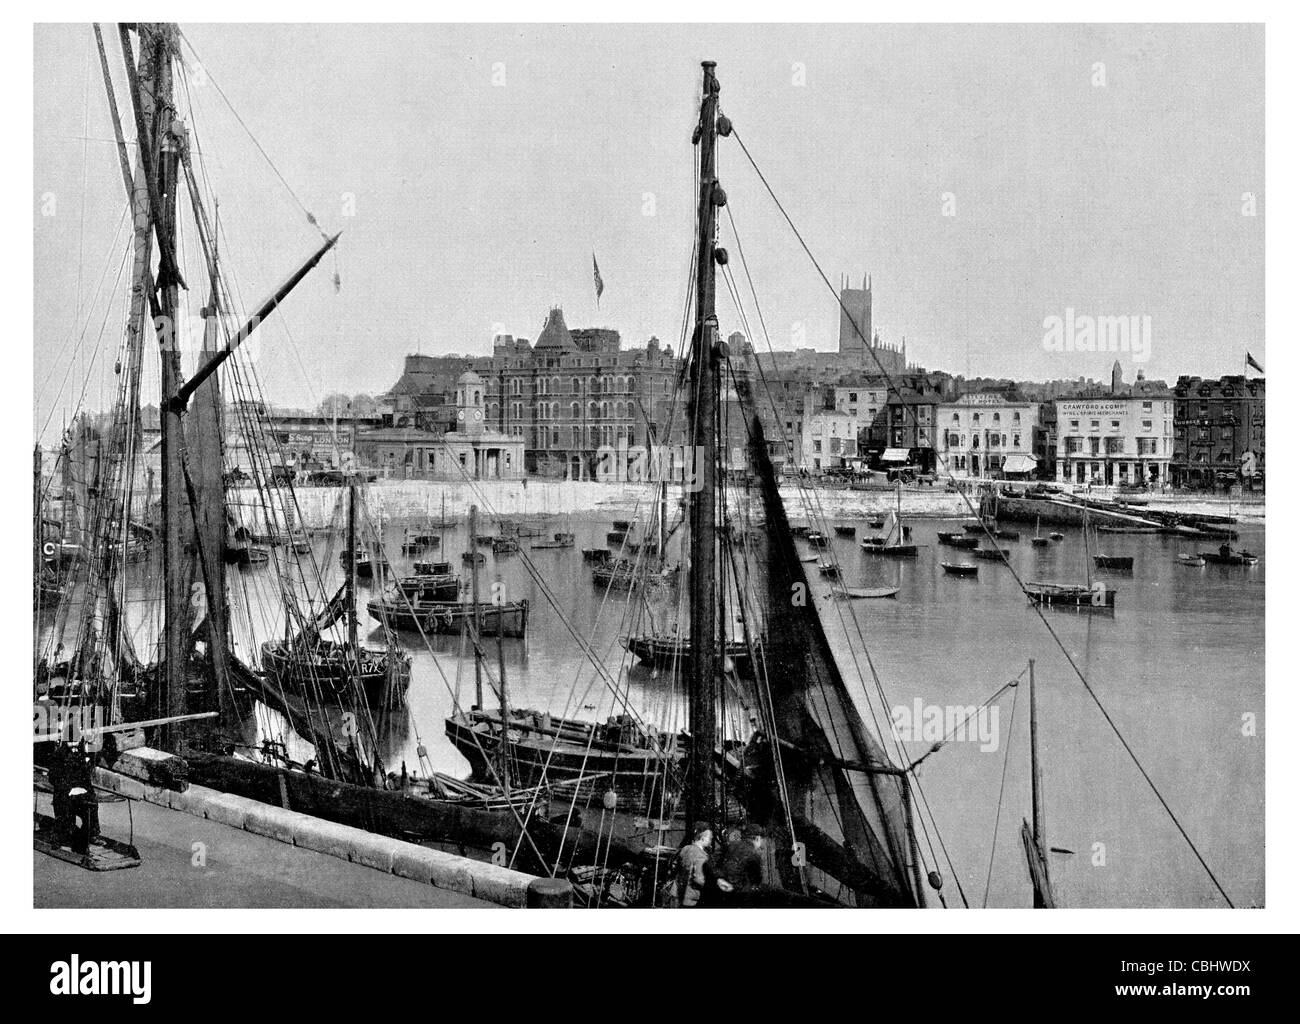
x=989 y=434
x=1121 y=437
x=573 y=393
x=1218 y=433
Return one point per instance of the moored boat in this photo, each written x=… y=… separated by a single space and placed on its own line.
x=509 y=619
x=960 y=568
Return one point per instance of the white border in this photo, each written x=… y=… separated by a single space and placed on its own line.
x=1282 y=42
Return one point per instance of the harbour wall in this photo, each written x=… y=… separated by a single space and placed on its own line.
x=488 y=882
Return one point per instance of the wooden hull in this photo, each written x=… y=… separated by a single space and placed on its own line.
x=959 y=540
x=960 y=569
x=508 y=620
x=667 y=652
x=383 y=681
x=1068 y=595
x=634 y=773
x=992 y=554
x=1118 y=563
x=1234 y=558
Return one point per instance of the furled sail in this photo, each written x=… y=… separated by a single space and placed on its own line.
x=815 y=768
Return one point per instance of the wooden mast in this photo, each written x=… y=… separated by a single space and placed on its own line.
x=702 y=797
x=473 y=597
x=1034 y=837
x=156 y=45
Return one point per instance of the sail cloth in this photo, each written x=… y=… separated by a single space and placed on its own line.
x=848 y=804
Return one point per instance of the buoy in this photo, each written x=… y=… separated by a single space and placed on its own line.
x=936 y=880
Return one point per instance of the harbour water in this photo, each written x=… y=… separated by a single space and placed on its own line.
x=1178 y=665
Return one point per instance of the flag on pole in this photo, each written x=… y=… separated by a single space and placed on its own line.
x=1250 y=363
x=600 y=284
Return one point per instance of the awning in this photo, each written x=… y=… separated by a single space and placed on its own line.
x=895 y=455
x=1019 y=464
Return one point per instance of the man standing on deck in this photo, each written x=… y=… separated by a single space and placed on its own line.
x=742 y=864
x=696 y=879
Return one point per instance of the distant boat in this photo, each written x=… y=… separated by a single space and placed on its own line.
x=829 y=570
x=1038 y=540
x=960 y=568
x=992 y=554
x=1056 y=536
x=876 y=523
x=1071 y=595
x=873 y=542
x=816 y=540
x=560 y=540
x=1128 y=529
x=506 y=620
x=1195 y=561
x=863 y=593
x=846 y=531
x=505 y=545
x=1122 y=563
x=667 y=651
x=958 y=540
x=595 y=554
x=1229 y=557
x=1007 y=534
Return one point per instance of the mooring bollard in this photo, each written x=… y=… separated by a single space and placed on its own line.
x=550 y=893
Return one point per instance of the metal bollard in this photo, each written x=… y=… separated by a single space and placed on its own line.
x=550 y=893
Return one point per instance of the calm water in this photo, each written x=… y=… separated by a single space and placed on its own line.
x=1178 y=665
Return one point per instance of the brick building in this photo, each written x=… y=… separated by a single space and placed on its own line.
x=1218 y=433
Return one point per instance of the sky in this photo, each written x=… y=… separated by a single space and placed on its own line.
x=986 y=177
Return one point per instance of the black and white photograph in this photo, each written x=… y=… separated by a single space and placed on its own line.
x=738 y=467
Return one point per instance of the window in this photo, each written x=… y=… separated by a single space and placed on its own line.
x=1114 y=424
x=1146 y=406
x=1074 y=424
x=997 y=417
x=975 y=418
x=577 y=386
x=1016 y=440
x=575 y=411
x=1095 y=424
x=956 y=418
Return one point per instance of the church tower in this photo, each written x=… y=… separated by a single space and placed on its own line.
x=855 y=319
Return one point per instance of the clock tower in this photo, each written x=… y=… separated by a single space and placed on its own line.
x=469 y=404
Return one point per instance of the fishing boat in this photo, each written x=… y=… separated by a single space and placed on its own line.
x=510 y=619
x=1069 y=595
x=882 y=546
x=473 y=558
x=1193 y=561
x=958 y=540
x=300 y=663
x=434 y=586
x=992 y=554
x=1038 y=540
x=845 y=530
x=596 y=554
x=1116 y=563
x=505 y=545
x=1089 y=596
x=831 y=570
x=876 y=523
x=1229 y=557
x=365 y=563
x=960 y=568
x=560 y=540
x=816 y=540
x=1056 y=536
x=627 y=574
x=674 y=652
x=1104 y=528
x=616 y=536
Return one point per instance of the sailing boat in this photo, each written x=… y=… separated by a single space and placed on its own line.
x=1085 y=597
x=1038 y=540
x=310 y=660
x=899 y=548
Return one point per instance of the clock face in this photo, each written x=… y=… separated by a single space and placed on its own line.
x=461 y=414
x=477 y=414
